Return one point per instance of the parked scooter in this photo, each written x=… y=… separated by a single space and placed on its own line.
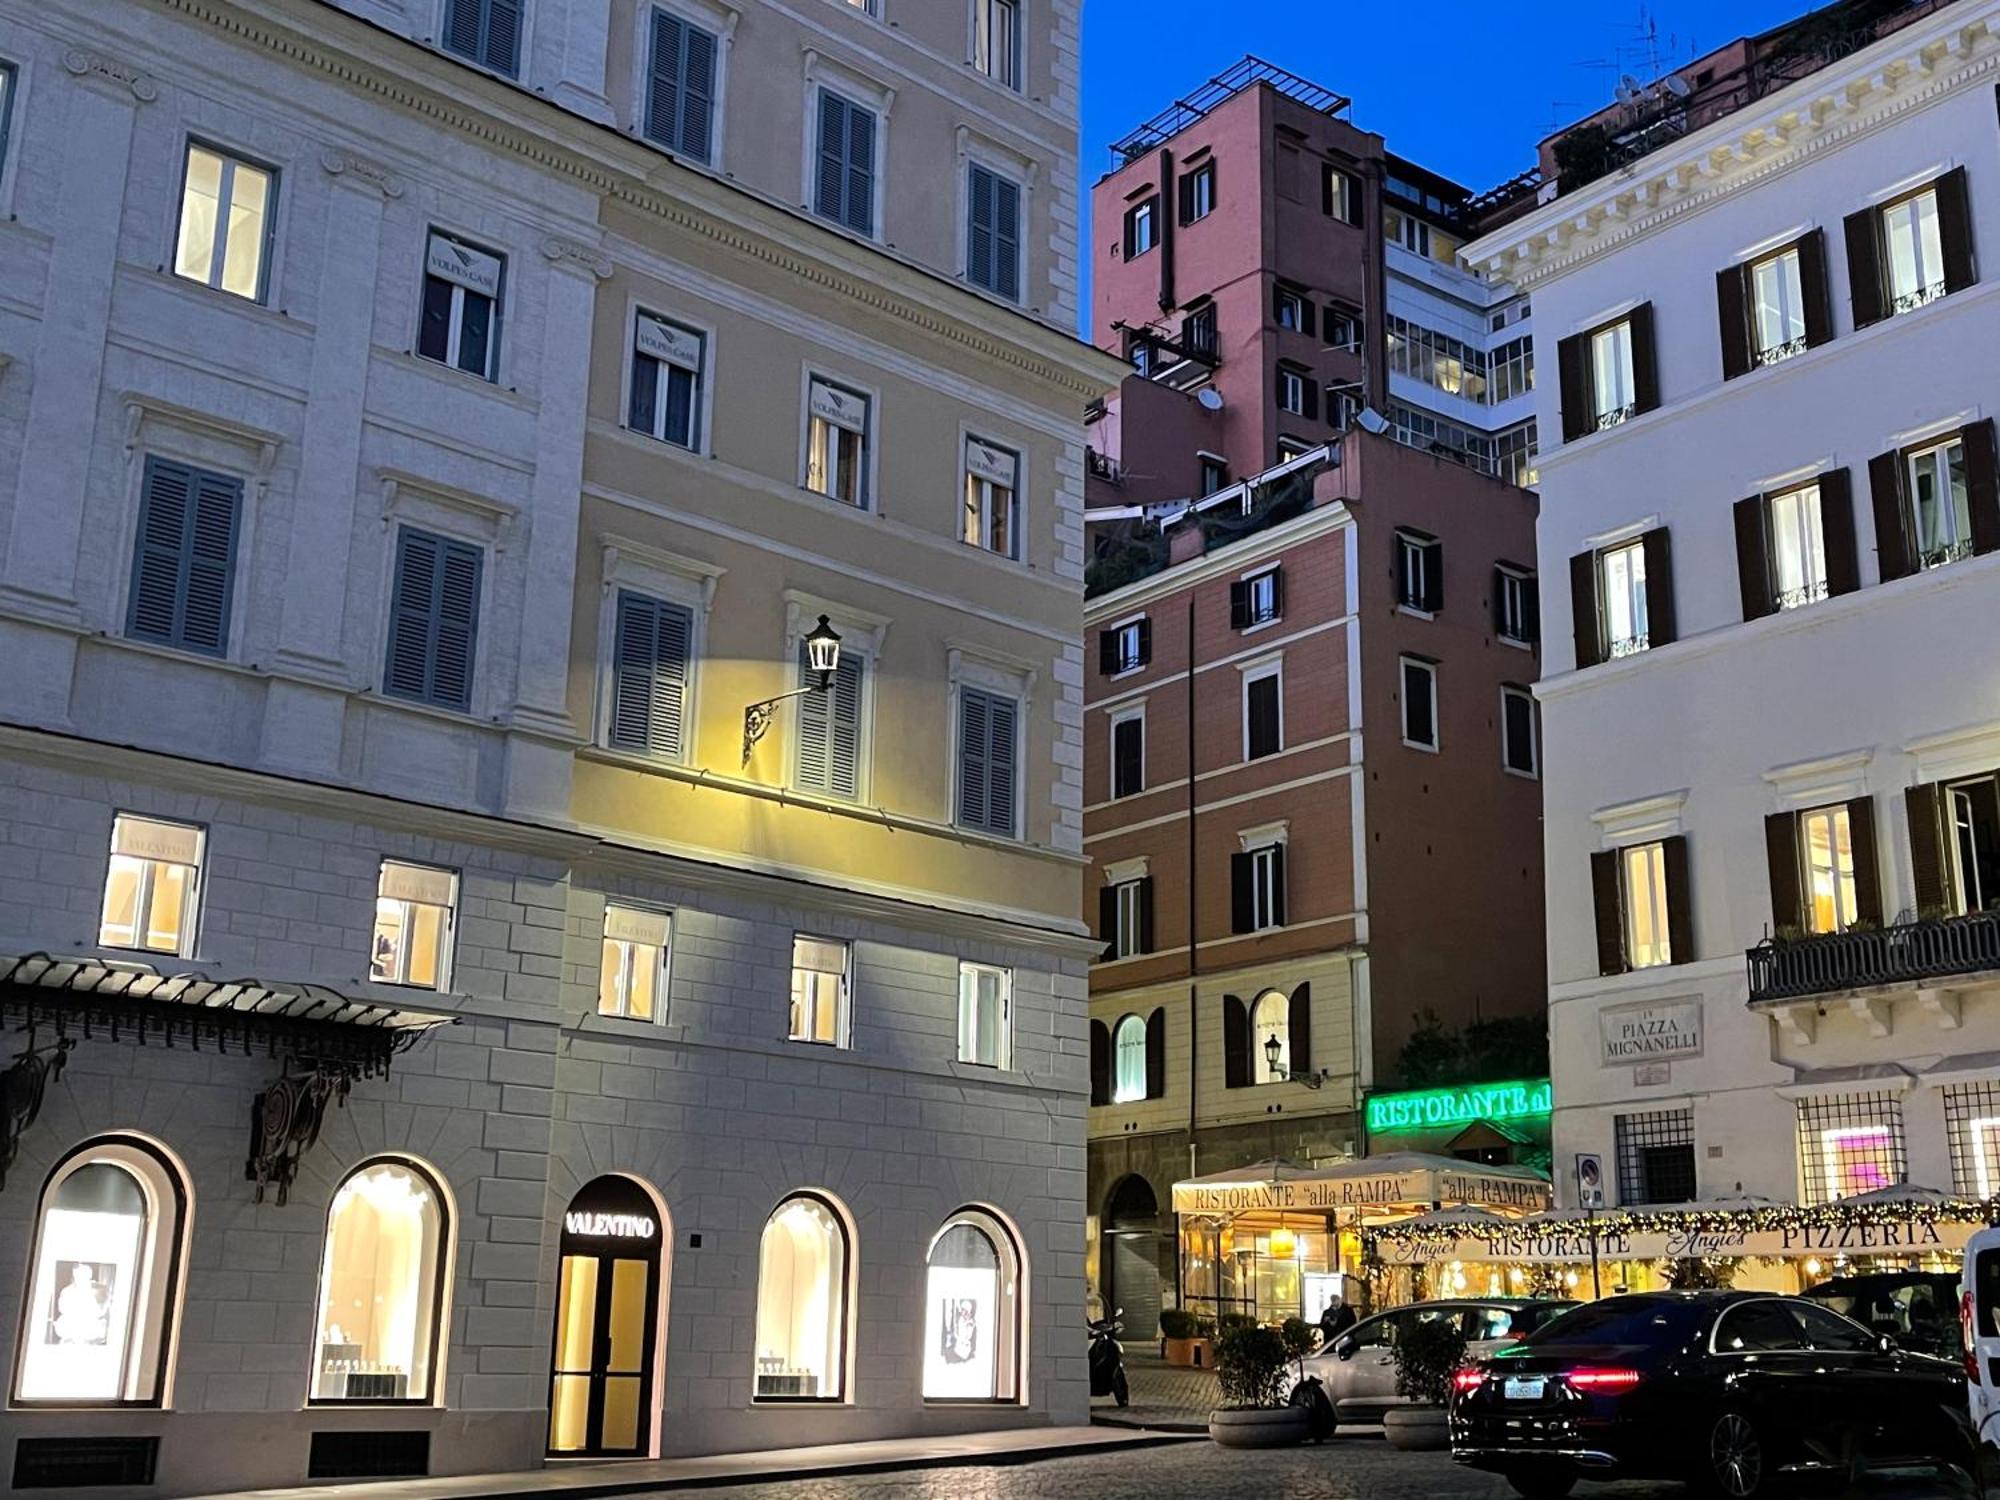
x=1107 y=1359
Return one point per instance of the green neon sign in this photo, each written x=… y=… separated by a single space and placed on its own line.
x=1424 y=1109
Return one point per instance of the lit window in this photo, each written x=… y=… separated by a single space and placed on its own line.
x=1142 y=227
x=667 y=363
x=226 y=222
x=108 y=1252
x=1265 y=869
x=1622 y=588
x=972 y=1300
x=1644 y=867
x=1798 y=549
x=802 y=1278
x=1859 y=1159
x=631 y=981
x=1829 y=861
x=1519 y=751
x=1780 y=307
x=837 y=443
x=985 y=1002
x=1128 y=918
x=415 y=908
x=1128 y=1054
x=1940 y=504
x=992 y=481
x=381 y=1287
x=819 y=991
x=151 y=890
x=1614 y=392
x=1915 y=251
x=460 y=326
x=1271 y=1019
x=996 y=40
x=1420 y=722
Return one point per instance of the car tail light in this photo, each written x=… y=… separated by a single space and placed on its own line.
x=1968 y=1328
x=1602 y=1382
x=1463 y=1381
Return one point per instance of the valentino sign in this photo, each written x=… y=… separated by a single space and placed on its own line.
x=608 y=1226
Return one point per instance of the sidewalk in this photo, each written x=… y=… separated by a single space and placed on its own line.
x=575 y=1481
x=1165 y=1398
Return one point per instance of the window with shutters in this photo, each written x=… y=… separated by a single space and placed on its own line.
x=1128 y=1052
x=1263 y=600
x=1290 y=447
x=837 y=442
x=1142 y=227
x=1342 y=328
x=1778 y=307
x=1126 y=647
x=1214 y=474
x=1520 y=743
x=988 y=761
x=1197 y=190
x=1263 y=711
x=993 y=232
x=632 y=974
x=1340 y=195
x=830 y=729
x=1420 y=712
x=1517 y=606
x=416 y=909
x=985 y=1001
x=992 y=497
x=1613 y=386
x=844 y=181
x=1419 y=572
x=152 y=887
x=1267 y=887
x=1198 y=331
x=1798 y=548
x=1826 y=860
x=1940 y=510
x=996 y=40
x=228 y=218
x=1128 y=751
x=460 y=322
x=1271 y=1020
x=680 y=88
x=651 y=651
x=184 y=558
x=433 y=619
x=487 y=32
x=1292 y=387
x=1289 y=309
x=1642 y=870
x=668 y=359
x=1913 y=251
x=1621 y=593
x=820 y=991
x=1127 y=938
x=1972 y=811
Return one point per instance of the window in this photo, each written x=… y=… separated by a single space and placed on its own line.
x=152 y=890
x=1257 y=889
x=1614 y=395
x=987 y=761
x=1198 y=333
x=1128 y=753
x=1826 y=850
x=1622 y=596
x=1419 y=572
x=1340 y=195
x=1125 y=648
x=1197 y=193
x=1437 y=360
x=1514 y=452
x=1511 y=370
x=1972 y=811
x=1420 y=725
x=1655 y=1157
x=1643 y=885
x=1940 y=509
x=819 y=991
x=1760 y=1327
x=996 y=40
x=381 y=1286
x=972 y=1292
x=802 y=1291
x=1214 y=474
x=1778 y=307
x=1905 y=254
x=1263 y=713
x=632 y=978
x=487 y=32
x=1798 y=548
x=228 y=219
x=1410 y=232
x=1142 y=227
x=837 y=440
x=6 y=106
x=649 y=676
x=992 y=487
x=1290 y=447
x=460 y=326
x=1125 y=916
x=829 y=725
x=1520 y=751
x=1972 y=1121
x=993 y=233
x=1342 y=328
x=667 y=361
x=1263 y=599
x=1292 y=388
x=1914 y=251
x=184 y=558
x=844 y=186
x=1289 y=309
x=433 y=620
x=1271 y=1018
x=680 y=88
x=1850 y=1144
x=1517 y=606
x=1128 y=1052
x=415 y=911
x=104 y=1278
x=985 y=1004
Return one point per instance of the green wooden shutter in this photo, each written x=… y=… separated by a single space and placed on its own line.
x=663 y=91
x=649 y=676
x=184 y=559
x=697 y=95
x=986 y=761
x=487 y=32
x=830 y=731
x=433 y=620
x=829 y=196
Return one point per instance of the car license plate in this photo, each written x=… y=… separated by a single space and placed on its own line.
x=1522 y=1388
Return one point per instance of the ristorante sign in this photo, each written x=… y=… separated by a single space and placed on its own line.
x=1424 y=1109
x=1381 y=1190
x=1572 y=1241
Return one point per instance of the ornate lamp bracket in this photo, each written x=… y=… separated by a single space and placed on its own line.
x=22 y=1086
x=286 y=1120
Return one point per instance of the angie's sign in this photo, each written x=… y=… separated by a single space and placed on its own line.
x=1571 y=1243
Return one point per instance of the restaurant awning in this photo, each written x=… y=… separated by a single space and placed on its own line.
x=1374 y=1184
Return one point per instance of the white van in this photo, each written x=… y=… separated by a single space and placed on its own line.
x=1979 y=1319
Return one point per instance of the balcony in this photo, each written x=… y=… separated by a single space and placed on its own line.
x=1909 y=953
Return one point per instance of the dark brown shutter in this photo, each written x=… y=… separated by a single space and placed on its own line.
x=1497 y=605
x=1100 y=1063
x=1680 y=902
x=1836 y=526
x=1434 y=576
x=1955 y=230
x=1531 y=608
x=1239 y=605
x=1781 y=853
x=1156 y=1053
x=1813 y=287
x=1892 y=536
x=1185 y=198
x=1864 y=267
x=1146 y=915
x=1145 y=641
x=1573 y=378
x=1583 y=608
x=1107 y=651
x=1982 y=486
x=1242 y=906
x=1107 y=920
x=1930 y=864
x=1753 y=560
x=1308 y=317
x=1733 y=317
x=1235 y=1044
x=1610 y=912
x=1662 y=629
x=1310 y=395
x=1277 y=593
x=1298 y=1029
x=1278 y=885
x=1645 y=359
x=1867 y=867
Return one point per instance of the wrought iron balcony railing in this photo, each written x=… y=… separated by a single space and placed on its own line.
x=1778 y=353
x=1834 y=962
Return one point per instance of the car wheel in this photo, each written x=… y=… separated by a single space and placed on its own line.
x=1542 y=1484
x=1120 y=1389
x=1736 y=1466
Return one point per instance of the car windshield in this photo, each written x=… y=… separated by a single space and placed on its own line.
x=1618 y=1320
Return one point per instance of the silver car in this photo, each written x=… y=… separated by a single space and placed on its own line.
x=1357 y=1371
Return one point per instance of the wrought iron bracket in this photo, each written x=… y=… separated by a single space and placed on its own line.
x=757 y=717
x=286 y=1120
x=22 y=1087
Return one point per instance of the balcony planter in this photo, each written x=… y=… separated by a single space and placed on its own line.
x=1791 y=968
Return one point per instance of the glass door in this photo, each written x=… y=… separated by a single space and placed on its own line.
x=607 y=1320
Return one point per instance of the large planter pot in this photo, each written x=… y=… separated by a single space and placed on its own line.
x=1186 y=1353
x=1259 y=1426
x=1416 y=1429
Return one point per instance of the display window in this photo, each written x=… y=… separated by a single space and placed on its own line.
x=382 y=1286
x=972 y=1311
x=802 y=1293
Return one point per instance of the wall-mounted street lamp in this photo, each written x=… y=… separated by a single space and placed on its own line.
x=822 y=658
x=1311 y=1080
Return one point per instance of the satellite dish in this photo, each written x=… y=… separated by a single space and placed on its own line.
x=1630 y=89
x=1678 y=86
x=1371 y=420
x=1209 y=397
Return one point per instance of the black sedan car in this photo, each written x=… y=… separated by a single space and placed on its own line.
x=1728 y=1390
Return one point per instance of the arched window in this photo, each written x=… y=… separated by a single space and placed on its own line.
x=382 y=1286
x=972 y=1318
x=1270 y=1017
x=1128 y=1050
x=98 y=1325
x=802 y=1303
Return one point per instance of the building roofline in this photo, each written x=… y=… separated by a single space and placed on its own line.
x=1246 y=73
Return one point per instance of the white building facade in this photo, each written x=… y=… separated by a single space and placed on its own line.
x=1770 y=699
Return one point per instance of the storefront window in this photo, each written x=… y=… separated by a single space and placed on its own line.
x=104 y=1278
x=972 y=1311
x=802 y=1303
x=381 y=1289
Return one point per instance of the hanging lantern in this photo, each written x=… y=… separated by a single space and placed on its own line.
x=1284 y=1245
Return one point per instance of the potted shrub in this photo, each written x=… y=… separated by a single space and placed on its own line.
x=1427 y=1356
x=1252 y=1369
x=1177 y=1335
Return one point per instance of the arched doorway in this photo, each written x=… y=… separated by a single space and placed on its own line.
x=602 y=1363
x=1131 y=1260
